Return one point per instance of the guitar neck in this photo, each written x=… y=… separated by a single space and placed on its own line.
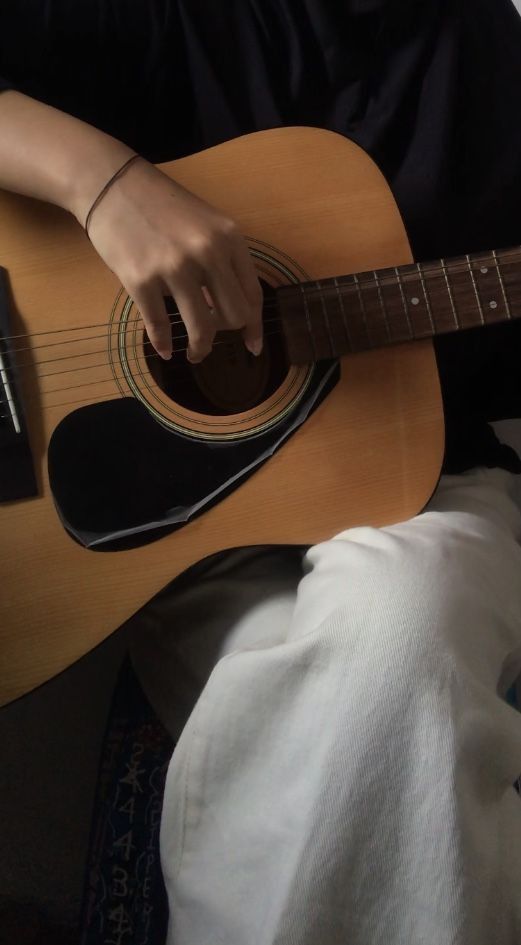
x=373 y=309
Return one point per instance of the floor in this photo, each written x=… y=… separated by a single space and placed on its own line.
x=50 y=744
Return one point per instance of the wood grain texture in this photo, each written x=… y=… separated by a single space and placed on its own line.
x=370 y=454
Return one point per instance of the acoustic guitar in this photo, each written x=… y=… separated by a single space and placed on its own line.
x=119 y=470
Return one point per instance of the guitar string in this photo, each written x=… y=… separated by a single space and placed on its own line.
x=137 y=325
x=268 y=306
x=184 y=365
x=86 y=354
x=115 y=325
x=180 y=381
x=384 y=282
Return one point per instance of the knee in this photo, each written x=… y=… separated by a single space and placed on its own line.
x=396 y=598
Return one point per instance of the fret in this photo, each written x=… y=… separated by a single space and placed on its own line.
x=463 y=301
x=308 y=321
x=509 y=271
x=385 y=302
x=502 y=284
x=429 y=312
x=382 y=304
x=494 y=303
x=404 y=301
x=474 y=286
x=362 y=308
x=374 y=315
x=451 y=297
x=326 y=319
x=418 y=314
x=345 y=322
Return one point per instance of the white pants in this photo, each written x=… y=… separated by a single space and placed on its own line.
x=345 y=777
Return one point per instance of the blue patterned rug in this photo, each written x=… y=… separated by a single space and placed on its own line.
x=124 y=901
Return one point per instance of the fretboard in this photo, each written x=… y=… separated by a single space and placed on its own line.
x=332 y=317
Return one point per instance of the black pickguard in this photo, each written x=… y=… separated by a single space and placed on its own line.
x=120 y=479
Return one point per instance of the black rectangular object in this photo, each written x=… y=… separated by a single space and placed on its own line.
x=17 y=477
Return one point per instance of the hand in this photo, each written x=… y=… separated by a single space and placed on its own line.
x=160 y=239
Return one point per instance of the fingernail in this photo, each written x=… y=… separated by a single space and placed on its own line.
x=166 y=355
x=255 y=346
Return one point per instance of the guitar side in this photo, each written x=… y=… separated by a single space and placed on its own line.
x=370 y=454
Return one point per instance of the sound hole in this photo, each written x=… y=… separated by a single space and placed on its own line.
x=230 y=379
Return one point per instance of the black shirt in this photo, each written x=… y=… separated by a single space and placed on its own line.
x=430 y=88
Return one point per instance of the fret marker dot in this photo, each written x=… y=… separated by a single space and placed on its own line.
x=415 y=301
x=493 y=304
x=484 y=270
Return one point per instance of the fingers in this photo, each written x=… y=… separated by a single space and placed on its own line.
x=251 y=288
x=149 y=299
x=237 y=295
x=235 y=292
x=198 y=318
x=159 y=238
x=228 y=283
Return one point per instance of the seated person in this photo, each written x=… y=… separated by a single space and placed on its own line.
x=346 y=773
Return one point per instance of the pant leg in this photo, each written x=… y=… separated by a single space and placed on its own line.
x=228 y=602
x=349 y=781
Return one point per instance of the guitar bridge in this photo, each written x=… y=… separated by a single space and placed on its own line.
x=17 y=478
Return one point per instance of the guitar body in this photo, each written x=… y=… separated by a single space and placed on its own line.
x=312 y=205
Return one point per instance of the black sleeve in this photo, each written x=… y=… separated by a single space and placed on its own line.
x=118 y=65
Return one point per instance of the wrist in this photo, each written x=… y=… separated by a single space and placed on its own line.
x=104 y=190
x=53 y=156
x=100 y=162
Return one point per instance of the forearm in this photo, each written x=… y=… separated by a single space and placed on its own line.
x=47 y=154
x=156 y=236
